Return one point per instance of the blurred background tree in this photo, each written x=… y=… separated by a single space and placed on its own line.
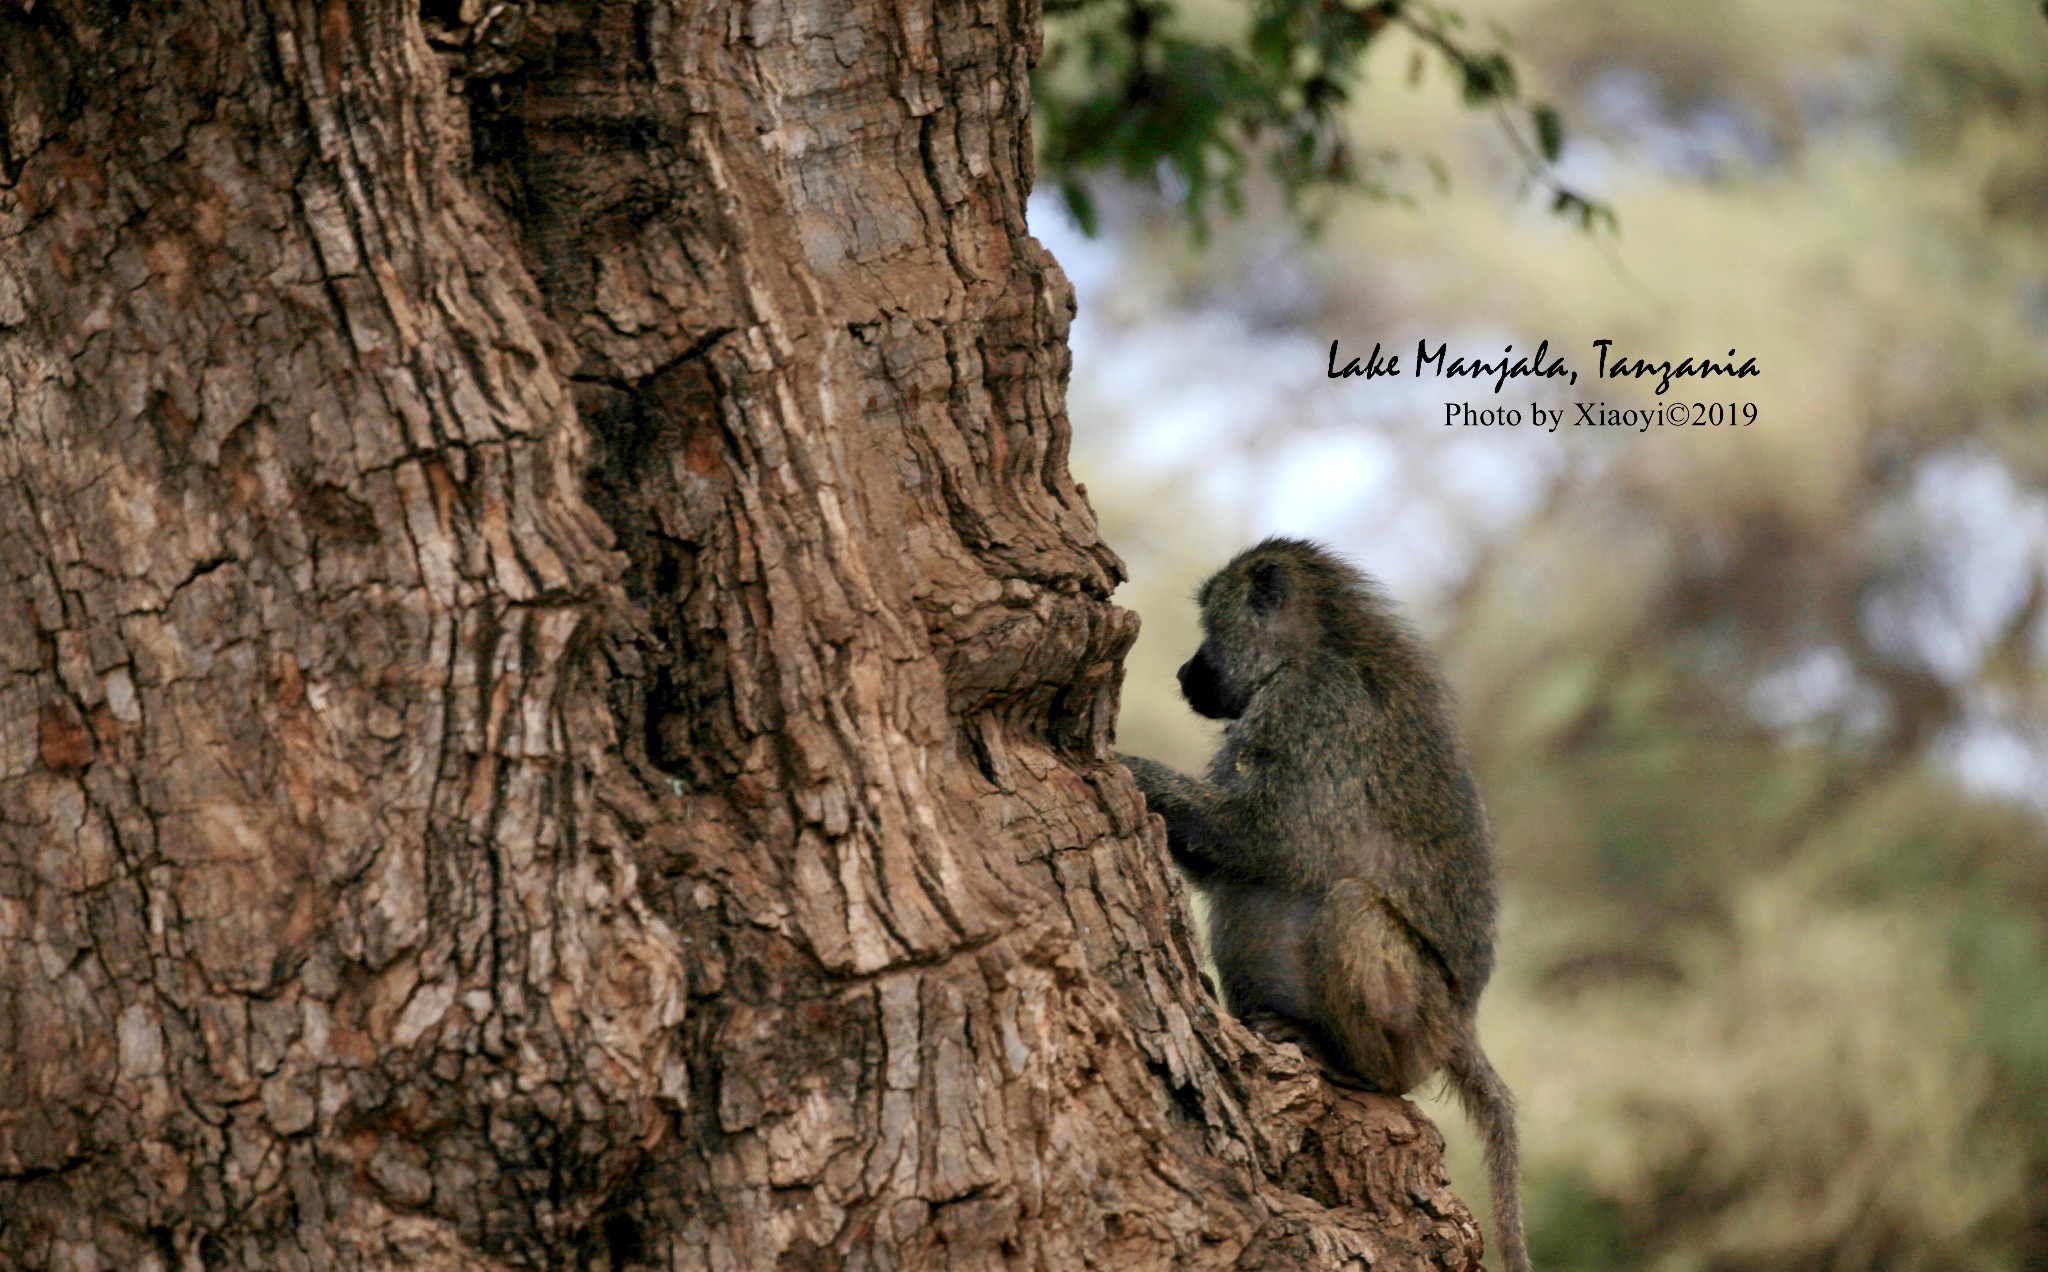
x=1186 y=99
x=1762 y=714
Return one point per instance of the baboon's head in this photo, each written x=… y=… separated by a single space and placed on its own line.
x=1273 y=606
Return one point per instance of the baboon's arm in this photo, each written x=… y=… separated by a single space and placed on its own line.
x=1189 y=806
x=1214 y=830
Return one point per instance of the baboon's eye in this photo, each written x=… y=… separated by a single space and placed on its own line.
x=1269 y=586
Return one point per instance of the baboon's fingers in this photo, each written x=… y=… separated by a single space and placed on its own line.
x=1315 y=1043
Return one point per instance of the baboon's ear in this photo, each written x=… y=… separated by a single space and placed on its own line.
x=1269 y=587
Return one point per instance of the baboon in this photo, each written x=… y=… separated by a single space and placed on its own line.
x=1340 y=840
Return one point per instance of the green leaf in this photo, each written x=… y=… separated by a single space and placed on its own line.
x=1487 y=77
x=1081 y=204
x=1549 y=132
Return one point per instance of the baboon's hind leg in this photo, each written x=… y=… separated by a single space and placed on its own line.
x=1385 y=1003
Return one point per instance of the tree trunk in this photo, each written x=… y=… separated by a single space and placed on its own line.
x=555 y=686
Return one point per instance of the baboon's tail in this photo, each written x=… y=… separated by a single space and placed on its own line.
x=1491 y=1106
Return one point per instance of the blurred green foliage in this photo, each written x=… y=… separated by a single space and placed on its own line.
x=1128 y=87
x=1773 y=995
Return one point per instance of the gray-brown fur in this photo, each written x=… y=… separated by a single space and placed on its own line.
x=1340 y=840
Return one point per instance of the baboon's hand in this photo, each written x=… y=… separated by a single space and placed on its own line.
x=1187 y=804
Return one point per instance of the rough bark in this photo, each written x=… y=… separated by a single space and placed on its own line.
x=555 y=686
